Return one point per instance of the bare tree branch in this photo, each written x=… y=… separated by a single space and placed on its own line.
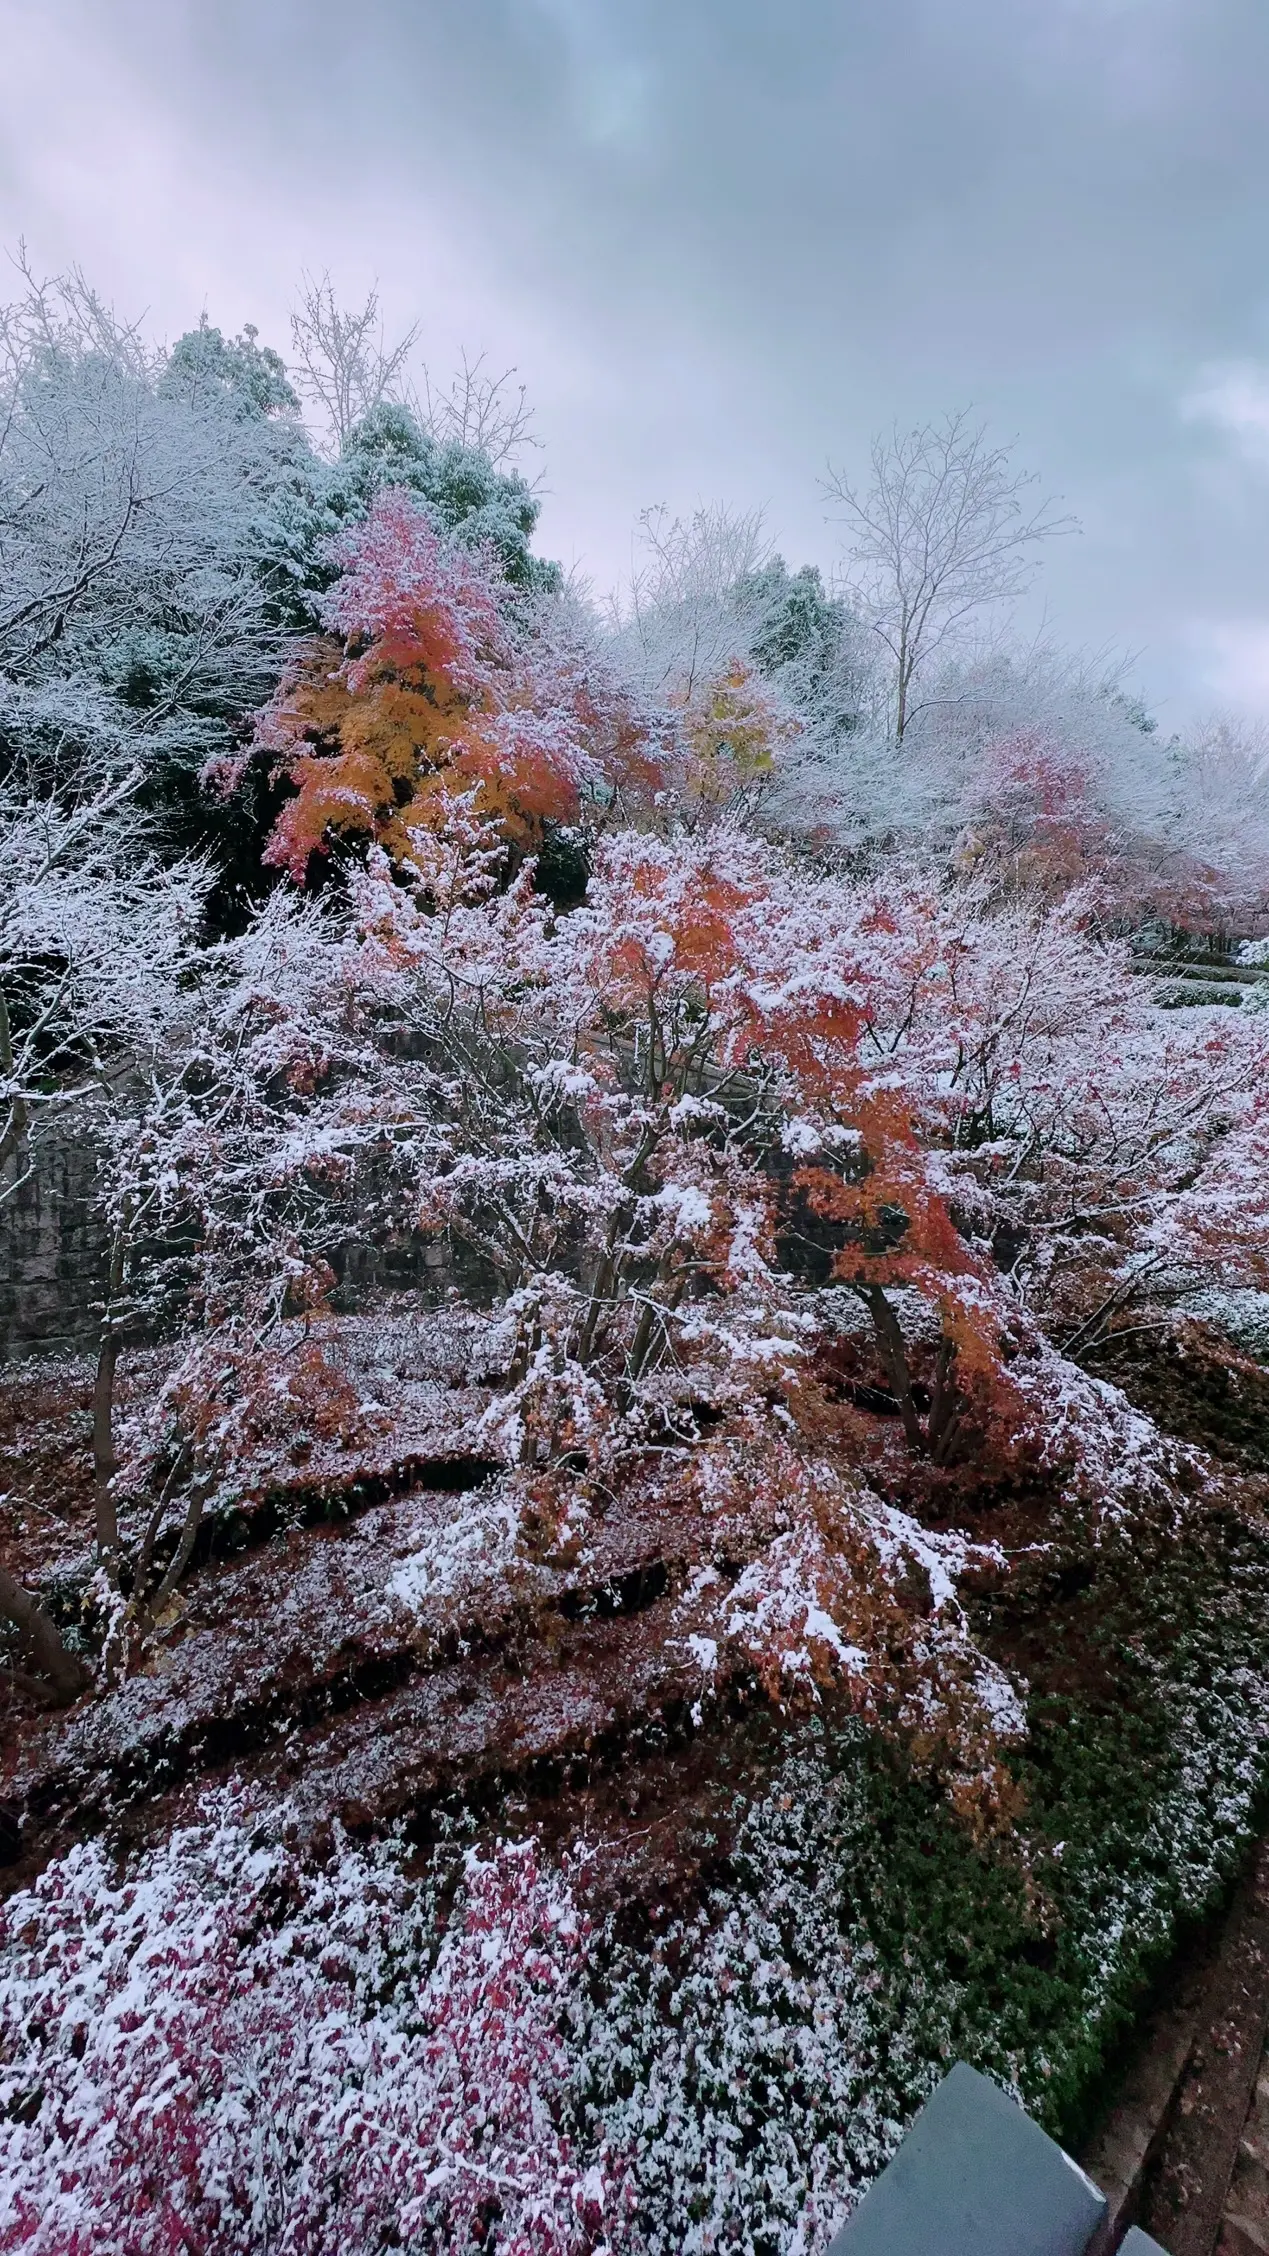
x=490 y=413
x=345 y=365
x=942 y=533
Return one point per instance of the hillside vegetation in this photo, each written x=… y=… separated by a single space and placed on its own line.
x=665 y=1530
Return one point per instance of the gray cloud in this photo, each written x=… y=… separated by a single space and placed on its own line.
x=725 y=239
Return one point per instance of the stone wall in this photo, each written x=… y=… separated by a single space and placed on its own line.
x=52 y=1251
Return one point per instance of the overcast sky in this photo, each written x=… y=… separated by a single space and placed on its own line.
x=725 y=240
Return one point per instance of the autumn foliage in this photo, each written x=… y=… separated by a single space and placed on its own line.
x=768 y=1164
x=693 y=1119
x=420 y=704
x=662 y=1213
x=434 y=706
x=223 y=2052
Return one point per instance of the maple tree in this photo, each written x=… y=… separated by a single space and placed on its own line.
x=419 y=706
x=623 y=1099
x=672 y=1117
x=1033 y=819
x=1042 y=814
x=734 y=733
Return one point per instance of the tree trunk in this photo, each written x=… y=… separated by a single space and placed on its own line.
x=65 y=1672
x=602 y=1286
x=889 y=1338
x=904 y=680
x=652 y=1315
x=105 y=1463
x=13 y=1131
x=943 y=1423
x=145 y=1555
x=199 y=1492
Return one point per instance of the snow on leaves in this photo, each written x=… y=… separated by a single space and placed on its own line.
x=854 y=1593
x=673 y=1126
x=425 y=703
x=223 y=2051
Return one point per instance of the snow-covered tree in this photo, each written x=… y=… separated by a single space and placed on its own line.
x=691 y=607
x=345 y=364
x=428 y=698
x=464 y=492
x=232 y=1171
x=212 y=1082
x=1037 y=764
x=711 y=616
x=455 y=447
x=133 y=620
x=942 y=533
x=1215 y=835
x=483 y=413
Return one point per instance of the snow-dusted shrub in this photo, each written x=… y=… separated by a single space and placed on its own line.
x=224 y=2052
x=760 y=2058
x=1243 y=1315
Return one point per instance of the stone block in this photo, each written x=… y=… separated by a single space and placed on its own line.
x=974 y=2177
